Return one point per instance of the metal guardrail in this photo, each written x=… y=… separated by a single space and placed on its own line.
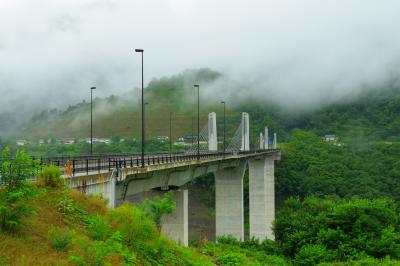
x=101 y=162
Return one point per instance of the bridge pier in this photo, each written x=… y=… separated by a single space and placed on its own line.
x=175 y=225
x=229 y=201
x=261 y=197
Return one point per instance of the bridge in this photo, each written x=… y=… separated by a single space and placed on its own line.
x=119 y=177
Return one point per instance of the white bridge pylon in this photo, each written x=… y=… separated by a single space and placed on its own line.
x=245 y=128
x=212 y=132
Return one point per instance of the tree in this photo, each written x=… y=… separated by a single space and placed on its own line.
x=14 y=188
x=159 y=206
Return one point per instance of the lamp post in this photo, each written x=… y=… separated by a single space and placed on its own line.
x=91 y=119
x=143 y=138
x=198 y=120
x=170 y=132
x=224 y=103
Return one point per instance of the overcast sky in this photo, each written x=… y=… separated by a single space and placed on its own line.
x=297 y=52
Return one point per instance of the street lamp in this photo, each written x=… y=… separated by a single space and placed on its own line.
x=91 y=119
x=170 y=132
x=224 y=103
x=198 y=120
x=141 y=51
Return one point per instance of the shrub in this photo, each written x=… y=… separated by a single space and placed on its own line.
x=97 y=228
x=91 y=253
x=231 y=259
x=14 y=189
x=60 y=238
x=13 y=207
x=50 y=177
x=133 y=224
x=312 y=255
x=14 y=173
x=229 y=240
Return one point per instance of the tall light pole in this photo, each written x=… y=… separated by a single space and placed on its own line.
x=224 y=103
x=91 y=119
x=143 y=139
x=170 y=132
x=198 y=120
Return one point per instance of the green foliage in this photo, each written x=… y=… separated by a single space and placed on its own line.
x=98 y=228
x=60 y=238
x=91 y=253
x=311 y=166
x=14 y=190
x=50 y=176
x=315 y=230
x=159 y=206
x=133 y=224
x=310 y=255
x=15 y=172
x=231 y=259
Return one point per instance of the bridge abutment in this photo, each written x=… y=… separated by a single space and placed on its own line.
x=229 y=201
x=261 y=197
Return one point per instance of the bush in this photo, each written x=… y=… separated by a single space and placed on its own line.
x=231 y=259
x=97 y=228
x=13 y=207
x=14 y=190
x=229 y=240
x=312 y=255
x=60 y=238
x=50 y=177
x=133 y=224
x=91 y=253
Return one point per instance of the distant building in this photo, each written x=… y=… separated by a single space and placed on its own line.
x=162 y=138
x=21 y=142
x=99 y=140
x=330 y=138
x=68 y=141
x=103 y=140
x=42 y=141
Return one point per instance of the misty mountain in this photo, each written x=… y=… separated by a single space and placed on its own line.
x=372 y=115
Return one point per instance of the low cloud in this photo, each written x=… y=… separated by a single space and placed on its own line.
x=298 y=54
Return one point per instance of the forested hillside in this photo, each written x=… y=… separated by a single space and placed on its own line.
x=372 y=115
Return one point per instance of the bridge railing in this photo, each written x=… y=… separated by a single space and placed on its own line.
x=98 y=163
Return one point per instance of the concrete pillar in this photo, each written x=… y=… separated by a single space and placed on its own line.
x=229 y=202
x=266 y=138
x=245 y=132
x=261 y=141
x=262 y=198
x=175 y=225
x=275 y=141
x=212 y=132
x=112 y=200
